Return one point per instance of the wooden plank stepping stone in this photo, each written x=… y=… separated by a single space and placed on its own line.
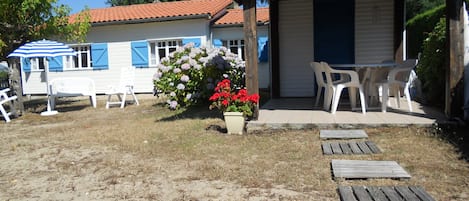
x=342 y=134
x=385 y=193
x=351 y=147
x=363 y=169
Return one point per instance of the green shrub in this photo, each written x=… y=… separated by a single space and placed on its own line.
x=431 y=68
x=190 y=74
x=419 y=27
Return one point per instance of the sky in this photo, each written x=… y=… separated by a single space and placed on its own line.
x=78 y=5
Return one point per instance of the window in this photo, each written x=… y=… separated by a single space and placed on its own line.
x=161 y=49
x=236 y=47
x=37 y=64
x=81 y=61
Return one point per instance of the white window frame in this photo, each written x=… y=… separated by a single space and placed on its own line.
x=165 y=45
x=69 y=61
x=235 y=43
x=34 y=64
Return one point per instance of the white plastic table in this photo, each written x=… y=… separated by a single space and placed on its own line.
x=370 y=71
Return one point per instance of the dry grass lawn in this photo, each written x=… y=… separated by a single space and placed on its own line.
x=148 y=152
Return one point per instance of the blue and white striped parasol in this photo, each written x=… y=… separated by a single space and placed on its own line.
x=44 y=48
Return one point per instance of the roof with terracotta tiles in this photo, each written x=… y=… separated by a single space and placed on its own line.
x=235 y=17
x=157 y=11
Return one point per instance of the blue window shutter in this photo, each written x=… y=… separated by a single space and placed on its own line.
x=217 y=43
x=55 y=64
x=139 y=54
x=196 y=41
x=263 y=49
x=26 y=64
x=99 y=56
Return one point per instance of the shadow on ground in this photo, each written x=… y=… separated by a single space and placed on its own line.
x=457 y=135
x=194 y=112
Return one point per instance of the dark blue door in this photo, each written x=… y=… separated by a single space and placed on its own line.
x=334 y=22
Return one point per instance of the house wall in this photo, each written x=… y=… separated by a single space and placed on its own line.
x=234 y=33
x=296 y=48
x=374 y=29
x=154 y=30
x=118 y=38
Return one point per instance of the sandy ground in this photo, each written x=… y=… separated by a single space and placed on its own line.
x=47 y=168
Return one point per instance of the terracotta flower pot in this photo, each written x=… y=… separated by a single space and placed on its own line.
x=234 y=122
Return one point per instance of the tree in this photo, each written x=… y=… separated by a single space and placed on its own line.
x=22 y=21
x=414 y=7
x=28 y=20
x=130 y=2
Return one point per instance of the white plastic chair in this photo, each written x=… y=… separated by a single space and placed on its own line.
x=4 y=98
x=324 y=83
x=126 y=86
x=398 y=78
x=352 y=83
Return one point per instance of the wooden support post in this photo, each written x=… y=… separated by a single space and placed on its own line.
x=455 y=38
x=250 y=46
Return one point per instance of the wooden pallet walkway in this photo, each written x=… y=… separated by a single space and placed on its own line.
x=350 y=147
x=383 y=193
x=363 y=169
x=342 y=134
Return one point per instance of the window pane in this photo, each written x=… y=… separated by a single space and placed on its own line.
x=242 y=53
x=234 y=49
x=152 y=54
x=172 y=49
x=75 y=62
x=84 y=59
x=162 y=53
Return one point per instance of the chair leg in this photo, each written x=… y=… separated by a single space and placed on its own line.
x=362 y=99
x=318 y=95
x=93 y=101
x=328 y=96
x=352 y=91
x=335 y=98
x=134 y=96
x=4 y=114
x=123 y=100
x=108 y=101
x=398 y=96
x=409 y=101
x=385 y=94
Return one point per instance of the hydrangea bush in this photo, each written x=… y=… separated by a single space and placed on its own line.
x=189 y=74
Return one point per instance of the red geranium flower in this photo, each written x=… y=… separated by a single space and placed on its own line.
x=228 y=100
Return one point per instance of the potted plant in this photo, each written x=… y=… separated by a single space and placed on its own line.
x=236 y=105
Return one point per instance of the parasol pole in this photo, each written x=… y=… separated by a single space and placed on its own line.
x=49 y=111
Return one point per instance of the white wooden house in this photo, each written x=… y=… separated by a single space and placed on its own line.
x=139 y=35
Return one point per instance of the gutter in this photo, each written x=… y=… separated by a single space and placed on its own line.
x=238 y=25
x=147 y=20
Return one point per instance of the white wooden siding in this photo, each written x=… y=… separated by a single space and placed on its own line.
x=296 y=48
x=145 y=31
x=234 y=33
x=374 y=31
